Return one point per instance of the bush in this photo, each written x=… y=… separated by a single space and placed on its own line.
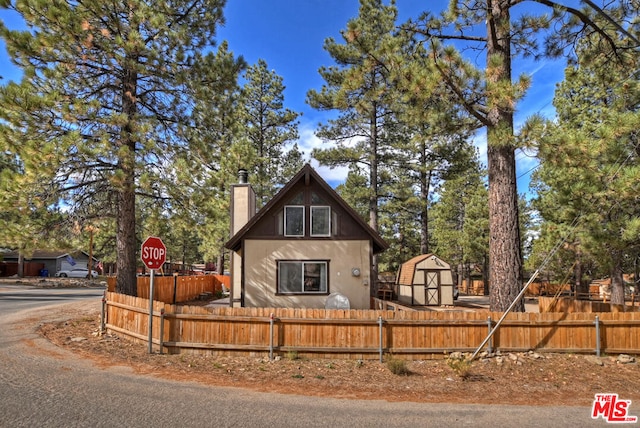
x=461 y=366
x=398 y=367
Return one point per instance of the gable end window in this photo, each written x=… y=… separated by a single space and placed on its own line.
x=294 y=220
x=302 y=277
x=320 y=221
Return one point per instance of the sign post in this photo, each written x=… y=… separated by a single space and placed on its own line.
x=153 y=253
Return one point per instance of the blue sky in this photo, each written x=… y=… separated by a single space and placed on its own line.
x=289 y=36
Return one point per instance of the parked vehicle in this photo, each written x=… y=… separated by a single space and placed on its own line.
x=77 y=273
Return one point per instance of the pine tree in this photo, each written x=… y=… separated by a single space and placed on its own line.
x=590 y=162
x=270 y=129
x=461 y=220
x=358 y=89
x=217 y=150
x=491 y=97
x=106 y=82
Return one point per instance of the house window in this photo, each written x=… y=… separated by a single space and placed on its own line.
x=296 y=277
x=294 y=220
x=320 y=221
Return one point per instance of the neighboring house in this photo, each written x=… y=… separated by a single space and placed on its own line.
x=425 y=280
x=50 y=261
x=302 y=246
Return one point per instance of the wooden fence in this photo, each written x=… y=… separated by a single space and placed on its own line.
x=568 y=304
x=365 y=334
x=177 y=289
x=476 y=288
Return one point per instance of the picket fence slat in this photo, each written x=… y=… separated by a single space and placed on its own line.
x=356 y=333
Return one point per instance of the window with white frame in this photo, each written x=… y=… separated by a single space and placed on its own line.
x=320 y=221
x=302 y=277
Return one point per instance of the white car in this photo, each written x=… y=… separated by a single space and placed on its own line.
x=77 y=273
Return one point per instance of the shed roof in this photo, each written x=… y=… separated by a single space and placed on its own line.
x=408 y=268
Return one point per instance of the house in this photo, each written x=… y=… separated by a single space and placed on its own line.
x=304 y=245
x=46 y=263
x=425 y=280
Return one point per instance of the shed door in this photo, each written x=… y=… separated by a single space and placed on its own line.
x=432 y=288
x=426 y=288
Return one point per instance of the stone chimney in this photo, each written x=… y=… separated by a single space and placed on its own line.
x=243 y=202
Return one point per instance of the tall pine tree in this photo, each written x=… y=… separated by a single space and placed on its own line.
x=271 y=129
x=106 y=83
x=491 y=96
x=590 y=157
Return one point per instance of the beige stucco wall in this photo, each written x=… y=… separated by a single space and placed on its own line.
x=244 y=206
x=260 y=265
x=236 y=275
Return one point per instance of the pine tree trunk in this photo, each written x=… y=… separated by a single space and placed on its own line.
x=581 y=288
x=617 y=282
x=20 y=264
x=425 y=181
x=504 y=243
x=126 y=282
x=373 y=196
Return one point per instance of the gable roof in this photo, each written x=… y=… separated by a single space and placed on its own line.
x=307 y=173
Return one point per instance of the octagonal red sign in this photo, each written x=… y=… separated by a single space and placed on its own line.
x=153 y=252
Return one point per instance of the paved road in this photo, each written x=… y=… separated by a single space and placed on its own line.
x=45 y=386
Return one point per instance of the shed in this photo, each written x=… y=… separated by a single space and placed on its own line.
x=425 y=280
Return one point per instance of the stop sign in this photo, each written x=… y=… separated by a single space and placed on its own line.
x=153 y=252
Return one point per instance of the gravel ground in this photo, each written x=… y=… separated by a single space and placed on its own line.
x=523 y=378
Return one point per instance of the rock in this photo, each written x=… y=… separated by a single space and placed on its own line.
x=456 y=356
x=513 y=357
x=625 y=359
x=499 y=360
x=595 y=360
x=536 y=356
x=78 y=339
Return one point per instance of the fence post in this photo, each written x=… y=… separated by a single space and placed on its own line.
x=175 y=288
x=161 y=329
x=103 y=313
x=380 y=322
x=490 y=326
x=597 y=323
x=271 y=321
